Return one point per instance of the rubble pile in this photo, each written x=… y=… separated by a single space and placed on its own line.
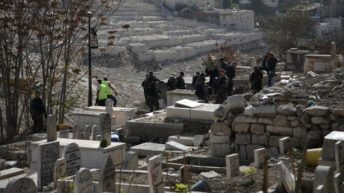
x=241 y=127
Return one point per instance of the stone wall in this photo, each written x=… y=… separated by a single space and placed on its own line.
x=264 y=125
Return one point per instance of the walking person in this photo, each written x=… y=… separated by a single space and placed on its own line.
x=201 y=89
x=101 y=93
x=271 y=69
x=180 y=83
x=37 y=111
x=221 y=88
x=256 y=80
x=109 y=90
x=152 y=91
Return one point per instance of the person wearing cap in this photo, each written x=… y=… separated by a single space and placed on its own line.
x=180 y=83
x=221 y=87
x=37 y=111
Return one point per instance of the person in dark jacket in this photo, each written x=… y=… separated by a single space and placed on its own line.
x=195 y=78
x=201 y=89
x=152 y=91
x=180 y=83
x=230 y=73
x=171 y=83
x=221 y=88
x=213 y=76
x=256 y=79
x=37 y=111
x=271 y=68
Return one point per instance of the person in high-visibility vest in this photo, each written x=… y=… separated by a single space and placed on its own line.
x=101 y=94
x=109 y=90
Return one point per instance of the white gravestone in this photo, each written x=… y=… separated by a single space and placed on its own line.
x=88 y=132
x=83 y=181
x=105 y=130
x=108 y=175
x=94 y=128
x=21 y=185
x=72 y=154
x=48 y=154
x=259 y=157
x=51 y=128
x=109 y=106
x=232 y=165
x=131 y=161
x=59 y=170
x=287 y=178
x=155 y=179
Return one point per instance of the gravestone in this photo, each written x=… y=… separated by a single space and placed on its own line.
x=284 y=145
x=83 y=181
x=155 y=179
x=109 y=106
x=232 y=165
x=64 y=133
x=94 y=129
x=88 y=132
x=59 y=170
x=185 y=174
x=21 y=185
x=108 y=175
x=105 y=130
x=339 y=156
x=72 y=154
x=324 y=175
x=259 y=157
x=48 y=154
x=131 y=161
x=51 y=128
x=287 y=178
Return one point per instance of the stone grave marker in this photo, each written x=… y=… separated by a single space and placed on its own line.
x=87 y=131
x=51 y=128
x=131 y=161
x=94 y=129
x=83 y=181
x=339 y=156
x=48 y=154
x=59 y=170
x=324 y=175
x=232 y=165
x=186 y=103
x=21 y=185
x=287 y=178
x=105 y=130
x=108 y=106
x=284 y=145
x=155 y=179
x=72 y=154
x=108 y=175
x=185 y=174
x=259 y=157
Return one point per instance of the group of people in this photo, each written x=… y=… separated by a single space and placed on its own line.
x=105 y=91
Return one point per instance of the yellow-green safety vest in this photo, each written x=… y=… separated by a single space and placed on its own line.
x=108 y=90
x=102 y=92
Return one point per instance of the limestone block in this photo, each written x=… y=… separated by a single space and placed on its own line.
x=260 y=140
x=318 y=111
x=265 y=111
x=314 y=138
x=259 y=157
x=220 y=150
x=267 y=121
x=325 y=126
x=292 y=118
x=242 y=139
x=305 y=119
x=299 y=132
x=287 y=110
x=274 y=140
x=319 y=120
x=242 y=150
x=244 y=119
x=258 y=129
x=236 y=103
x=204 y=112
x=219 y=139
x=295 y=123
x=174 y=112
x=250 y=151
x=284 y=145
x=232 y=166
x=241 y=127
x=220 y=128
x=249 y=111
x=172 y=145
x=280 y=120
x=338 y=112
x=185 y=140
x=285 y=131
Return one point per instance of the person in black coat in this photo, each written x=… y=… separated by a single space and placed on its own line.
x=256 y=79
x=37 y=111
x=180 y=83
x=201 y=89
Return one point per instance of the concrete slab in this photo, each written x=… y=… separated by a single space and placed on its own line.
x=186 y=103
x=175 y=112
x=10 y=172
x=185 y=140
x=148 y=149
x=204 y=112
x=172 y=145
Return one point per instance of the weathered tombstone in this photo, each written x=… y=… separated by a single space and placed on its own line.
x=108 y=106
x=338 y=185
x=88 y=131
x=108 y=175
x=72 y=154
x=64 y=133
x=131 y=161
x=324 y=175
x=51 y=128
x=339 y=156
x=259 y=157
x=284 y=145
x=21 y=185
x=155 y=180
x=94 y=128
x=185 y=174
x=232 y=165
x=59 y=170
x=48 y=154
x=83 y=181
x=105 y=130
x=287 y=178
